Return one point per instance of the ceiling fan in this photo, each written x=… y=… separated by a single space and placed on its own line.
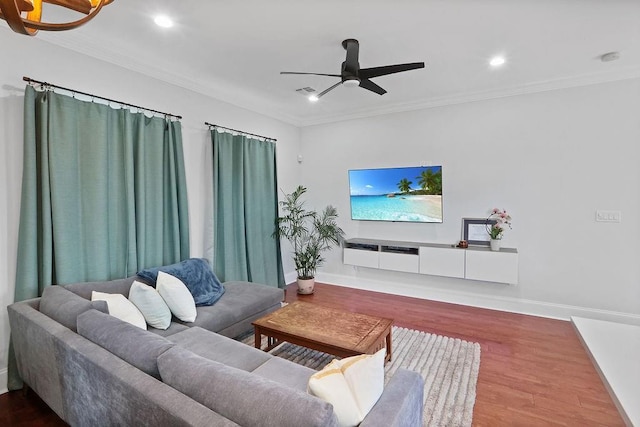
x=352 y=75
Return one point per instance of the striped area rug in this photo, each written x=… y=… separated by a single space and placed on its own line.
x=449 y=367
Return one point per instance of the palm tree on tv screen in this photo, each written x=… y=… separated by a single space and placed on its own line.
x=430 y=182
x=404 y=185
x=425 y=180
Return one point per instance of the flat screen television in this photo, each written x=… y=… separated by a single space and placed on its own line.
x=407 y=194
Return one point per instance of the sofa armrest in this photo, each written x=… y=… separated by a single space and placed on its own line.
x=401 y=403
x=102 y=390
x=34 y=335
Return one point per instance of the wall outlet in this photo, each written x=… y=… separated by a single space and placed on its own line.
x=608 y=216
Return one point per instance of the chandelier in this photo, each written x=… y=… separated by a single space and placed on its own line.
x=24 y=16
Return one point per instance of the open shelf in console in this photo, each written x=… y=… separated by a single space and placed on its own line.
x=361 y=246
x=399 y=249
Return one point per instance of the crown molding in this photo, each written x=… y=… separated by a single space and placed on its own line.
x=463 y=98
x=212 y=88
x=226 y=93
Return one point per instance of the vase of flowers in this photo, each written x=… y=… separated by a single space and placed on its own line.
x=496 y=223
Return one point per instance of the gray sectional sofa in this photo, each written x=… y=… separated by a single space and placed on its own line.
x=93 y=369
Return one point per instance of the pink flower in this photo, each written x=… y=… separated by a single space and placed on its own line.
x=501 y=219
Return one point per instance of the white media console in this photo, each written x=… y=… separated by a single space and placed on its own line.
x=473 y=263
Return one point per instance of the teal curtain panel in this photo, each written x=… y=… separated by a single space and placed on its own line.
x=103 y=193
x=245 y=203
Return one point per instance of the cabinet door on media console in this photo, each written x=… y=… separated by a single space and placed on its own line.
x=361 y=258
x=448 y=262
x=488 y=266
x=399 y=262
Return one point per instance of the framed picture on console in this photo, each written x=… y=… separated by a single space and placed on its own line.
x=474 y=231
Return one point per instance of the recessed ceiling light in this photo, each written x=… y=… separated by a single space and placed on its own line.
x=163 y=21
x=313 y=98
x=497 y=61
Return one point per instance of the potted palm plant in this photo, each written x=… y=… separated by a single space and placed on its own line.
x=310 y=234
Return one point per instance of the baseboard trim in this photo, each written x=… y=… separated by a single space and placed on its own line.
x=290 y=277
x=4 y=377
x=512 y=305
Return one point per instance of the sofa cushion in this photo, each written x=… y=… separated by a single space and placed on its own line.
x=196 y=274
x=174 y=328
x=154 y=309
x=118 y=286
x=285 y=372
x=177 y=297
x=220 y=349
x=64 y=306
x=244 y=398
x=242 y=300
x=133 y=345
x=122 y=308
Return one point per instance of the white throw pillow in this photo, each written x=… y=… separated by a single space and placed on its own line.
x=352 y=385
x=177 y=296
x=120 y=307
x=329 y=385
x=365 y=376
x=155 y=311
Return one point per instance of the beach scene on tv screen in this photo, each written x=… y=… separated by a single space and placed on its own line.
x=411 y=194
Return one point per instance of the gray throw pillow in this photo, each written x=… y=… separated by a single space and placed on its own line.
x=135 y=346
x=244 y=398
x=64 y=306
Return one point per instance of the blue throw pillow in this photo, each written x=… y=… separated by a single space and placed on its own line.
x=196 y=275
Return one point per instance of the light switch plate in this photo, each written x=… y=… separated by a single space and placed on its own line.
x=608 y=216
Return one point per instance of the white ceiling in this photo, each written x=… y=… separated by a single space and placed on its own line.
x=234 y=50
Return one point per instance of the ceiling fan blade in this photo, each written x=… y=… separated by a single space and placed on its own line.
x=367 y=73
x=369 y=85
x=351 y=64
x=324 y=92
x=312 y=74
x=82 y=6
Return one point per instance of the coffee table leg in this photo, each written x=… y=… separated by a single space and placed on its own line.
x=257 y=338
x=388 y=358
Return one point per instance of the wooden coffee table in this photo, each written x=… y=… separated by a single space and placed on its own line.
x=332 y=331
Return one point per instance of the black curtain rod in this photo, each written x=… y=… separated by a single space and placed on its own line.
x=239 y=131
x=45 y=84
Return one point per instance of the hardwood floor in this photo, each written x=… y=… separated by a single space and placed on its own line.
x=533 y=371
x=26 y=410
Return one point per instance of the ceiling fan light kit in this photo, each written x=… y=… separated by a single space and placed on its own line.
x=351 y=75
x=25 y=16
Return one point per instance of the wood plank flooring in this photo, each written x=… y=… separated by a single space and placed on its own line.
x=533 y=371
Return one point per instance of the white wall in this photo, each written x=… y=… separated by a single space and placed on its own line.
x=550 y=158
x=24 y=56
